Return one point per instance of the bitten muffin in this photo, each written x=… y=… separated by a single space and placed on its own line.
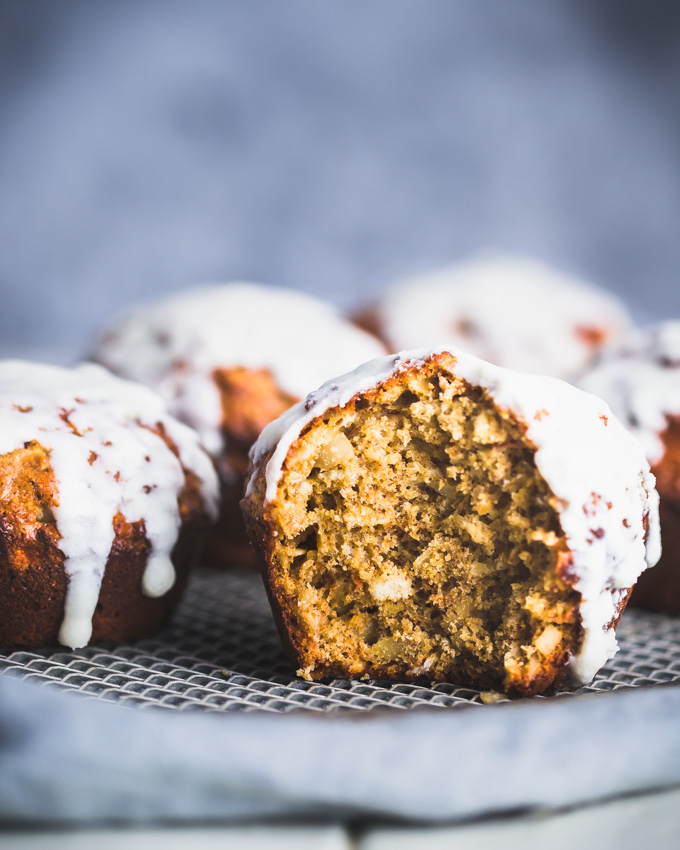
x=228 y=359
x=640 y=379
x=104 y=501
x=432 y=515
x=511 y=311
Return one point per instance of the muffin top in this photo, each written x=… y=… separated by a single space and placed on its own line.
x=640 y=380
x=176 y=345
x=595 y=468
x=113 y=448
x=511 y=311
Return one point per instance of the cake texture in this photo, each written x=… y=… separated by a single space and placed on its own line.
x=228 y=359
x=104 y=501
x=431 y=515
x=640 y=380
x=514 y=312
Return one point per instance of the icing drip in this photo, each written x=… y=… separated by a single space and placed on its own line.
x=175 y=346
x=106 y=459
x=640 y=379
x=511 y=311
x=596 y=469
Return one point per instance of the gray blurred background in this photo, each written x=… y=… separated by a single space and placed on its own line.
x=149 y=144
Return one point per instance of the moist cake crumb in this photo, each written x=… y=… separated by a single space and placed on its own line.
x=411 y=534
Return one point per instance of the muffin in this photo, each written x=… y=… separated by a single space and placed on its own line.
x=431 y=515
x=228 y=359
x=104 y=503
x=640 y=379
x=511 y=311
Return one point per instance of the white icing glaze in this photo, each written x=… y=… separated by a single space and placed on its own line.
x=640 y=380
x=511 y=311
x=299 y=339
x=105 y=460
x=592 y=464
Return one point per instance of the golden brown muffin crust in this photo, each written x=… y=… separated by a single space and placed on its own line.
x=33 y=580
x=250 y=400
x=658 y=589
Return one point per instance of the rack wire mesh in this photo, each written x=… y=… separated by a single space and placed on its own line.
x=222 y=653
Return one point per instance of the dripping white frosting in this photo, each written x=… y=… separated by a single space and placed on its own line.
x=593 y=465
x=105 y=460
x=176 y=344
x=512 y=311
x=640 y=380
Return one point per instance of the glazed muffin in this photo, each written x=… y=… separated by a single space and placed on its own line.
x=228 y=359
x=431 y=515
x=104 y=502
x=640 y=379
x=511 y=311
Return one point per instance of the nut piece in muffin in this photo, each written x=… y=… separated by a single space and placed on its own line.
x=104 y=502
x=430 y=515
x=228 y=359
x=511 y=311
x=640 y=380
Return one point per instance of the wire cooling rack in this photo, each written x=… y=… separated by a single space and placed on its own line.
x=222 y=653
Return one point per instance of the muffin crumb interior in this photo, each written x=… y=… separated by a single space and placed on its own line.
x=416 y=538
